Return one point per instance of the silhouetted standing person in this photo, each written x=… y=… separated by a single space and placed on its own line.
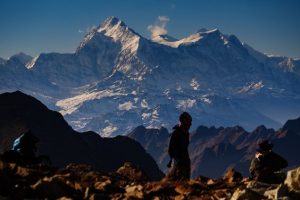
x=178 y=149
x=266 y=163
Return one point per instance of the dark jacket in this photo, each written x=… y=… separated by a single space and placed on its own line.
x=26 y=145
x=179 y=142
x=265 y=165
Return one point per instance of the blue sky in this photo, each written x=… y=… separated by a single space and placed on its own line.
x=36 y=26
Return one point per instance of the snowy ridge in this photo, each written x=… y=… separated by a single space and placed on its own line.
x=70 y=105
x=252 y=87
x=196 y=37
x=21 y=57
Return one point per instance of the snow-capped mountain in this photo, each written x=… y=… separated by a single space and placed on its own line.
x=117 y=80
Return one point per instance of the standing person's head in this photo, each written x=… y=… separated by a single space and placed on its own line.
x=185 y=120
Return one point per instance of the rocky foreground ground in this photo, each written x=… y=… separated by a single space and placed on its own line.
x=77 y=181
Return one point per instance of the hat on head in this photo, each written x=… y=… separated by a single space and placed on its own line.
x=264 y=145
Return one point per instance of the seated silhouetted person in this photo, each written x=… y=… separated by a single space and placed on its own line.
x=25 y=145
x=178 y=149
x=266 y=163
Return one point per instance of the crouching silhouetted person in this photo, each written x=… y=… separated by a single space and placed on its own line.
x=24 y=150
x=178 y=150
x=266 y=163
x=25 y=145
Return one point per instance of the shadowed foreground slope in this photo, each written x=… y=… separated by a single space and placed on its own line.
x=20 y=112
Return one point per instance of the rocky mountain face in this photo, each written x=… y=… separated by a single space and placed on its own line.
x=78 y=181
x=213 y=150
x=20 y=112
x=117 y=79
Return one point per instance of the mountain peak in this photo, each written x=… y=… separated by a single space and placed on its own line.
x=260 y=128
x=113 y=25
x=195 y=37
x=115 y=29
x=202 y=30
x=112 y=21
x=292 y=125
x=21 y=57
x=205 y=30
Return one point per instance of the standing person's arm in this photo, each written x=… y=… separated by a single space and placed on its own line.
x=174 y=145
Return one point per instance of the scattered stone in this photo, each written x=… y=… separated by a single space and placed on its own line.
x=184 y=189
x=210 y=182
x=222 y=194
x=52 y=188
x=260 y=187
x=163 y=188
x=246 y=194
x=280 y=192
x=133 y=173
x=180 y=197
x=102 y=186
x=232 y=176
x=135 y=191
x=84 y=182
x=197 y=186
x=64 y=198
x=293 y=180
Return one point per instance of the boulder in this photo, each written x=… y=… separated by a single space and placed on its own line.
x=133 y=173
x=102 y=186
x=280 y=192
x=53 y=188
x=184 y=189
x=260 y=187
x=293 y=180
x=162 y=188
x=134 y=191
x=232 y=176
x=246 y=194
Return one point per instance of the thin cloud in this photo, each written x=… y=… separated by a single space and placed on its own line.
x=159 y=28
x=87 y=30
x=90 y=28
x=163 y=19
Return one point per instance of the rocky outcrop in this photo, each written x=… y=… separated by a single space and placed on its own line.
x=80 y=181
x=293 y=180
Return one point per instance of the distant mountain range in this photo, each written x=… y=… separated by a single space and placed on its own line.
x=117 y=79
x=213 y=150
x=20 y=112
